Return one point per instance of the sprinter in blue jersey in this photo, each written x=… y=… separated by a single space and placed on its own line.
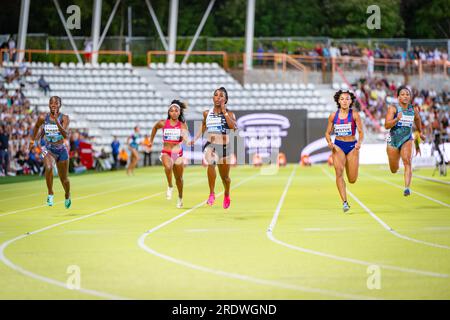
x=55 y=131
x=400 y=119
x=345 y=149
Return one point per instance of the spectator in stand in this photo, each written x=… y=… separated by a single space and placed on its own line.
x=4 y=49
x=12 y=48
x=43 y=84
x=115 y=146
x=334 y=51
x=123 y=157
x=88 y=47
x=75 y=164
x=4 y=150
x=147 y=151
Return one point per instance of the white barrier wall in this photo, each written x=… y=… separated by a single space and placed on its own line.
x=376 y=154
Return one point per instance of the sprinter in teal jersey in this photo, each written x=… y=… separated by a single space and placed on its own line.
x=400 y=119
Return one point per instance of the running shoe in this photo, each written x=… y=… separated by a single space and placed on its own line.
x=226 y=202
x=211 y=199
x=67 y=203
x=346 y=207
x=169 y=193
x=50 y=200
x=406 y=192
x=180 y=203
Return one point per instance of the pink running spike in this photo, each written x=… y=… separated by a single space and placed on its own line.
x=226 y=202
x=211 y=199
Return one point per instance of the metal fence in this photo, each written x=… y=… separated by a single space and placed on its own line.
x=140 y=45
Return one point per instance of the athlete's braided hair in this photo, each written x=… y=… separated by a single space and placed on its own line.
x=182 y=108
x=57 y=99
x=337 y=95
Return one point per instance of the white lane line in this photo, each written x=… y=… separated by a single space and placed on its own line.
x=30 y=274
x=331 y=256
x=22 y=196
x=243 y=277
x=78 y=198
x=431 y=179
x=412 y=191
x=387 y=227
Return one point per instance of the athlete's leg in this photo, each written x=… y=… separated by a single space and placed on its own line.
x=168 y=164
x=134 y=160
x=48 y=164
x=224 y=171
x=394 y=158
x=211 y=178
x=352 y=165
x=406 y=154
x=339 y=165
x=210 y=158
x=63 y=172
x=178 y=169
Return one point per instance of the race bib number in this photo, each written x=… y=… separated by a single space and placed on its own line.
x=342 y=130
x=406 y=121
x=51 y=131
x=214 y=125
x=172 y=134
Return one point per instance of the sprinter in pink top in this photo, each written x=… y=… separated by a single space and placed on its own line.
x=175 y=132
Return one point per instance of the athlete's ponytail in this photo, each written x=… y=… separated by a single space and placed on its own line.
x=181 y=106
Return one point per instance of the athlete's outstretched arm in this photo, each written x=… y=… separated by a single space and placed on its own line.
x=202 y=128
x=185 y=133
x=158 y=125
x=329 y=129
x=390 y=121
x=37 y=126
x=418 y=123
x=359 y=127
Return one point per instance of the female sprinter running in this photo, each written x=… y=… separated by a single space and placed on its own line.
x=175 y=132
x=399 y=119
x=217 y=122
x=345 y=149
x=133 y=143
x=55 y=130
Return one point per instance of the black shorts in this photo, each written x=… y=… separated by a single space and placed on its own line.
x=221 y=150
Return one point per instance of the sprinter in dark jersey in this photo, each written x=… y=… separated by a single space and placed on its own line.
x=345 y=149
x=55 y=131
x=217 y=122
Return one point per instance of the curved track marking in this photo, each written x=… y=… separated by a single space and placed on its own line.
x=386 y=226
x=237 y=276
x=331 y=256
x=35 y=276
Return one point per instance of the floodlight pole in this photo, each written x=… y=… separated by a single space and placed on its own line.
x=61 y=16
x=111 y=17
x=199 y=30
x=173 y=21
x=158 y=27
x=23 y=27
x=249 y=33
x=95 y=30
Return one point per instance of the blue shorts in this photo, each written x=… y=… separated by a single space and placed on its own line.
x=346 y=146
x=59 y=152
